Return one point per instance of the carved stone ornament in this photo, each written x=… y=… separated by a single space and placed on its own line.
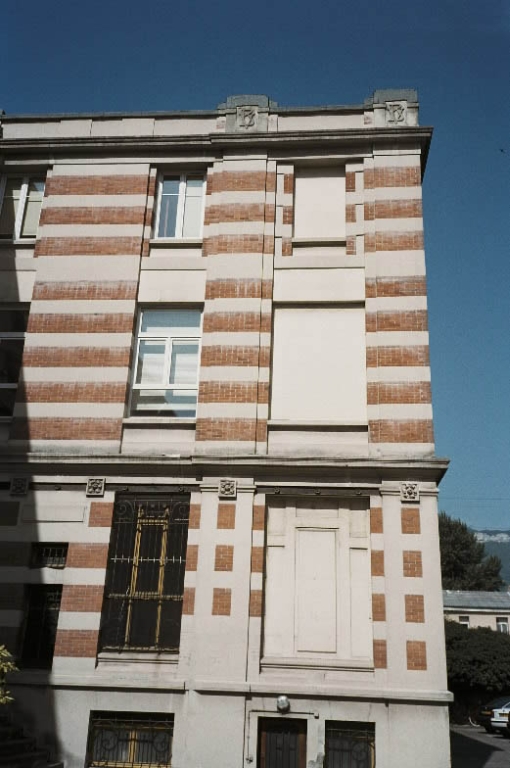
x=246 y=117
x=95 y=486
x=227 y=489
x=396 y=112
x=409 y=492
x=19 y=486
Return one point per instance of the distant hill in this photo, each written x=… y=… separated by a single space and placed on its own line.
x=497 y=543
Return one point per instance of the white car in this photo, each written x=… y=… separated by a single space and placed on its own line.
x=494 y=716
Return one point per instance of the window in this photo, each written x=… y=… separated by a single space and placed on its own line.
x=166 y=370
x=282 y=743
x=349 y=745
x=502 y=624
x=319 y=203
x=319 y=364
x=20 y=206
x=180 y=207
x=126 y=739
x=43 y=606
x=44 y=555
x=13 y=323
x=145 y=574
x=464 y=620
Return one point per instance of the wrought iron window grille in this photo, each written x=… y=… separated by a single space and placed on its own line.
x=44 y=555
x=350 y=745
x=129 y=740
x=145 y=574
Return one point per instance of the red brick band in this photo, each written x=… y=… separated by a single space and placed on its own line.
x=399 y=392
x=66 y=429
x=88 y=246
x=119 y=289
x=92 y=215
x=96 y=185
x=52 y=392
x=76 y=357
x=394 y=241
x=83 y=323
x=80 y=643
x=401 y=431
x=392 y=177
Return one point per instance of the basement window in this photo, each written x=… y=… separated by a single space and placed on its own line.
x=129 y=740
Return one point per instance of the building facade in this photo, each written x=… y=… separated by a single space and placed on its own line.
x=218 y=499
x=478 y=609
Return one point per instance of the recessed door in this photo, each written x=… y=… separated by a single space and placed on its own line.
x=282 y=743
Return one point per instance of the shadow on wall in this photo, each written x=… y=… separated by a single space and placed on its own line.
x=31 y=567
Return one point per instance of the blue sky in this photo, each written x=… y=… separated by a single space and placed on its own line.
x=109 y=55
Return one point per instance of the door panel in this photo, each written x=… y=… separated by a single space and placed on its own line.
x=282 y=743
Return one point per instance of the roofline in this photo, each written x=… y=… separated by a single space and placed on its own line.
x=341 y=108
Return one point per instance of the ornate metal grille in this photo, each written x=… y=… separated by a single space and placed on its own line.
x=41 y=620
x=126 y=740
x=48 y=555
x=350 y=745
x=145 y=574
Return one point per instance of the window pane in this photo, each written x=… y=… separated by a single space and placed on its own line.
x=153 y=747
x=11 y=352
x=165 y=403
x=32 y=208
x=194 y=186
x=31 y=218
x=168 y=216
x=13 y=320
x=166 y=322
x=184 y=363
x=7 y=400
x=142 y=632
x=151 y=362
x=110 y=745
x=170 y=186
x=9 y=207
x=148 y=570
x=170 y=624
x=192 y=217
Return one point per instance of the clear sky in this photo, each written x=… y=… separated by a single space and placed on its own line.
x=122 y=55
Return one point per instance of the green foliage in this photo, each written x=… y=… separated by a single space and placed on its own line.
x=463 y=561
x=477 y=659
x=6 y=665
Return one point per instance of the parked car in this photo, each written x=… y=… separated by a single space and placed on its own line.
x=494 y=715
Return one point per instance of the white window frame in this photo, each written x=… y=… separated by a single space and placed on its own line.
x=11 y=336
x=23 y=197
x=183 y=177
x=169 y=341
x=502 y=624
x=464 y=620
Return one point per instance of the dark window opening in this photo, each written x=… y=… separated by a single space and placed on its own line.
x=44 y=555
x=350 y=745
x=43 y=605
x=13 y=324
x=145 y=574
x=125 y=739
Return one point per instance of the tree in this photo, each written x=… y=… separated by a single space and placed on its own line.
x=477 y=659
x=464 y=564
x=6 y=665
